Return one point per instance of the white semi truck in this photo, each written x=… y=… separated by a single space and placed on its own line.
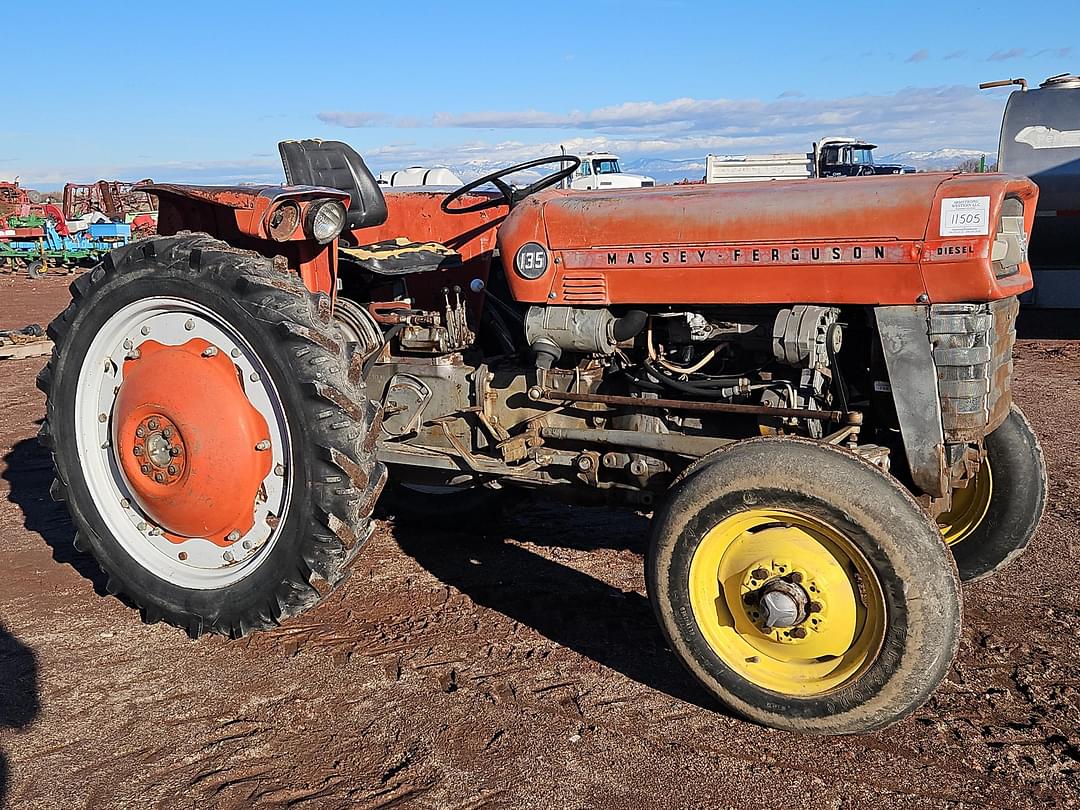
x=601 y=170
x=830 y=157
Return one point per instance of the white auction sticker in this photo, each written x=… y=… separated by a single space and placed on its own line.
x=965 y=216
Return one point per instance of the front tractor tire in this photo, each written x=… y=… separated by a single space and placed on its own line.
x=994 y=517
x=214 y=449
x=803 y=587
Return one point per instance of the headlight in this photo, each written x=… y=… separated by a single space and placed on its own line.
x=531 y=261
x=283 y=221
x=325 y=220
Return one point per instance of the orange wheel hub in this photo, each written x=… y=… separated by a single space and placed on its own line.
x=193 y=448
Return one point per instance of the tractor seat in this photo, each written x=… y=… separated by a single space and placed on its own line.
x=333 y=164
x=399 y=257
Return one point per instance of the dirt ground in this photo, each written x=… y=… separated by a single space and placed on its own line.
x=508 y=667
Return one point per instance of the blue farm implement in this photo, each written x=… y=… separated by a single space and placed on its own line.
x=38 y=244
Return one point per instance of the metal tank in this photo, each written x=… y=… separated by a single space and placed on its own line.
x=1040 y=138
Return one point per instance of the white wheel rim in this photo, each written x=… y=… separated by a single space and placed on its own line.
x=196 y=563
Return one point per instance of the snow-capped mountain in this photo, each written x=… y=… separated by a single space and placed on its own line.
x=667 y=170
x=936 y=159
x=672 y=170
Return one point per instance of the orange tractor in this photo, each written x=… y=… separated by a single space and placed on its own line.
x=806 y=382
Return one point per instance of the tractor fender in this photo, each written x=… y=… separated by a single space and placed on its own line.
x=249 y=207
x=245 y=217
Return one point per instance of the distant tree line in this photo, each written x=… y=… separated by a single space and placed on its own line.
x=974 y=165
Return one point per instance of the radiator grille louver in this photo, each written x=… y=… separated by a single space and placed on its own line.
x=584 y=288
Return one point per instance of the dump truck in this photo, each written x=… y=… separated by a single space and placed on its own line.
x=830 y=157
x=808 y=385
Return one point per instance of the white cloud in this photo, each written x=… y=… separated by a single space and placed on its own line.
x=1002 y=56
x=250 y=170
x=913 y=117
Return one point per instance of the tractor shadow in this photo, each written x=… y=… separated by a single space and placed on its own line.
x=19 y=700
x=1047 y=324
x=611 y=626
x=29 y=473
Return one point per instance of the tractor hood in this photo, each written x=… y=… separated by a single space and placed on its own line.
x=847 y=240
x=860 y=208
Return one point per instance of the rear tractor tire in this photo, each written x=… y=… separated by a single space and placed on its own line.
x=803 y=587
x=994 y=517
x=215 y=455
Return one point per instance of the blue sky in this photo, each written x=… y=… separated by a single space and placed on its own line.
x=202 y=91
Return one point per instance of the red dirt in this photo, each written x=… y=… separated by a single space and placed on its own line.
x=512 y=666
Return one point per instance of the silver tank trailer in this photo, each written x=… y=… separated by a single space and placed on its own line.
x=1040 y=138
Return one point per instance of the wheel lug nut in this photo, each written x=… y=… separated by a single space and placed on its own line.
x=797 y=632
x=172 y=470
x=759 y=573
x=145 y=469
x=152 y=424
x=138 y=451
x=134 y=354
x=263 y=445
x=279 y=469
x=814 y=607
x=233 y=536
x=210 y=351
x=140 y=432
x=159 y=477
x=174 y=451
x=795 y=577
x=227 y=556
x=142 y=527
x=103 y=417
x=189 y=324
x=167 y=433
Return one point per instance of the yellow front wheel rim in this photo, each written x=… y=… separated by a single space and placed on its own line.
x=969 y=506
x=762 y=550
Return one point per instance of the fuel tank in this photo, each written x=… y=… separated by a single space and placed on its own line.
x=868 y=240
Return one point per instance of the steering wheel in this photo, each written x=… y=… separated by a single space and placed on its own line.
x=507 y=195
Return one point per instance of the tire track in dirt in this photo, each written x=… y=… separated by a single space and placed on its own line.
x=516 y=667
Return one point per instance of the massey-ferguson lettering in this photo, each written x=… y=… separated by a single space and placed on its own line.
x=807 y=384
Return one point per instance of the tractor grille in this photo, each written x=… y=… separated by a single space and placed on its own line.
x=972 y=345
x=584 y=288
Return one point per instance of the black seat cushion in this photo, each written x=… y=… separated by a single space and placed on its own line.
x=333 y=164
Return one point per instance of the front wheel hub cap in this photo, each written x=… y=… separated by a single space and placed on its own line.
x=783 y=604
x=189 y=442
x=786 y=600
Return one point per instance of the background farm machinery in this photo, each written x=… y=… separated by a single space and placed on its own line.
x=115 y=199
x=36 y=235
